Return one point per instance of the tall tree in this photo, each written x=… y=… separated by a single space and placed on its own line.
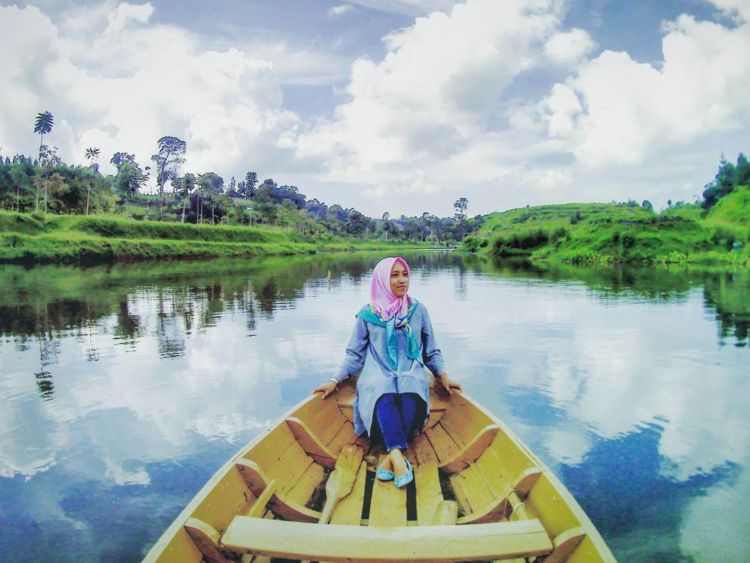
x=48 y=159
x=168 y=159
x=461 y=205
x=251 y=180
x=92 y=155
x=43 y=125
x=129 y=177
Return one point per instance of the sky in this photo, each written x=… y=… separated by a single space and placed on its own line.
x=394 y=105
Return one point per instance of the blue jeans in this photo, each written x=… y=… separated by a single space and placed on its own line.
x=397 y=415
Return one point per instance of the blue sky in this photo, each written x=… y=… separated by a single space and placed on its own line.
x=395 y=105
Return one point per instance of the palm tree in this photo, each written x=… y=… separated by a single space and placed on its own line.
x=42 y=125
x=92 y=154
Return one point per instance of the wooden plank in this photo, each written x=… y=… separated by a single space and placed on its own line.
x=472 y=491
x=341 y=481
x=508 y=504
x=444 y=446
x=470 y=452
x=291 y=466
x=294 y=540
x=490 y=463
x=310 y=443
x=565 y=544
x=344 y=436
x=257 y=481
x=551 y=508
x=426 y=481
x=319 y=415
x=305 y=486
x=446 y=513
x=228 y=497
x=206 y=538
x=271 y=447
x=349 y=509
x=326 y=424
x=463 y=420
x=260 y=506
x=388 y=504
x=526 y=481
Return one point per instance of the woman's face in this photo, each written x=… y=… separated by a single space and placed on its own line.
x=399 y=280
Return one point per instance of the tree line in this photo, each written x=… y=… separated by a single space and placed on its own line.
x=47 y=184
x=727 y=178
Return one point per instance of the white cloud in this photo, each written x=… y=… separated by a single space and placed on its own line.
x=630 y=109
x=124 y=89
x=429 y=99
x=569 y=47
x=444 y=113
x=739 y=9
x=126 y=13
x=340 y=10
x=433 y=117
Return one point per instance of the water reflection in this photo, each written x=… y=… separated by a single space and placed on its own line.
x=129 y=385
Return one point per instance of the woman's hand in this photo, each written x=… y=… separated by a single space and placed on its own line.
x=447 y=383
x=327 y=389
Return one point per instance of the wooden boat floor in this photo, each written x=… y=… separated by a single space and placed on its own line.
x=377 y=503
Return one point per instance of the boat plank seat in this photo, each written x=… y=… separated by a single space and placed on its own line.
x=283 y=507
x=294 y=540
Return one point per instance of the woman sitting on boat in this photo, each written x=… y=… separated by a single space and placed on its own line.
x=391 y=343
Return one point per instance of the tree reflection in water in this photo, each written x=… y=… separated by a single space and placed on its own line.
x=162 y=350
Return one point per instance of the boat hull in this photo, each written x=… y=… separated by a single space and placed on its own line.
x=477 y=488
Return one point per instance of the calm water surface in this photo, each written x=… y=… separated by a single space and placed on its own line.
x=123 y=388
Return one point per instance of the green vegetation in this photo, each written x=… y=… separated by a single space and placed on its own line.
x=37 y=237
x=621 y=233
x=98 y=217
x=45 y=183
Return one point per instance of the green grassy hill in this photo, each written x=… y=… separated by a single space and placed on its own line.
x=620 y=233
x=74 y=238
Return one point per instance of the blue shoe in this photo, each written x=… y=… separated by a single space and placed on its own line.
x=407 y=477
x=384 y=474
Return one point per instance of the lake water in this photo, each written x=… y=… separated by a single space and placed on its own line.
x=123 y=388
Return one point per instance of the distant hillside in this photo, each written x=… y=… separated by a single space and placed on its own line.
x=732 y=209
x=620 y=232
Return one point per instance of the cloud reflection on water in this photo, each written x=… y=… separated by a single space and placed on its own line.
x=173 y=375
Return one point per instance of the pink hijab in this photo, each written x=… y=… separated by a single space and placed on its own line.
x=384 y=303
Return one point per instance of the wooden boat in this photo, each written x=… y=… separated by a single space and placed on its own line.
x=306 y=490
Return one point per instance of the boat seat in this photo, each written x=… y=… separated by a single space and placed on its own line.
x=296 y=540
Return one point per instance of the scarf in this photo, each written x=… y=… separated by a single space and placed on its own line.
x=387 y=310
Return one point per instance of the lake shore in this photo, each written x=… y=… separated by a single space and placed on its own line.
x=44 y=239
x=617 y=233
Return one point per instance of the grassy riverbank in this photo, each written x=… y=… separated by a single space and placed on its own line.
x=38 y=238
x=619 y=233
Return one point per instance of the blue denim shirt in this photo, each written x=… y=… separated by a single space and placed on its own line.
x=367 y=354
